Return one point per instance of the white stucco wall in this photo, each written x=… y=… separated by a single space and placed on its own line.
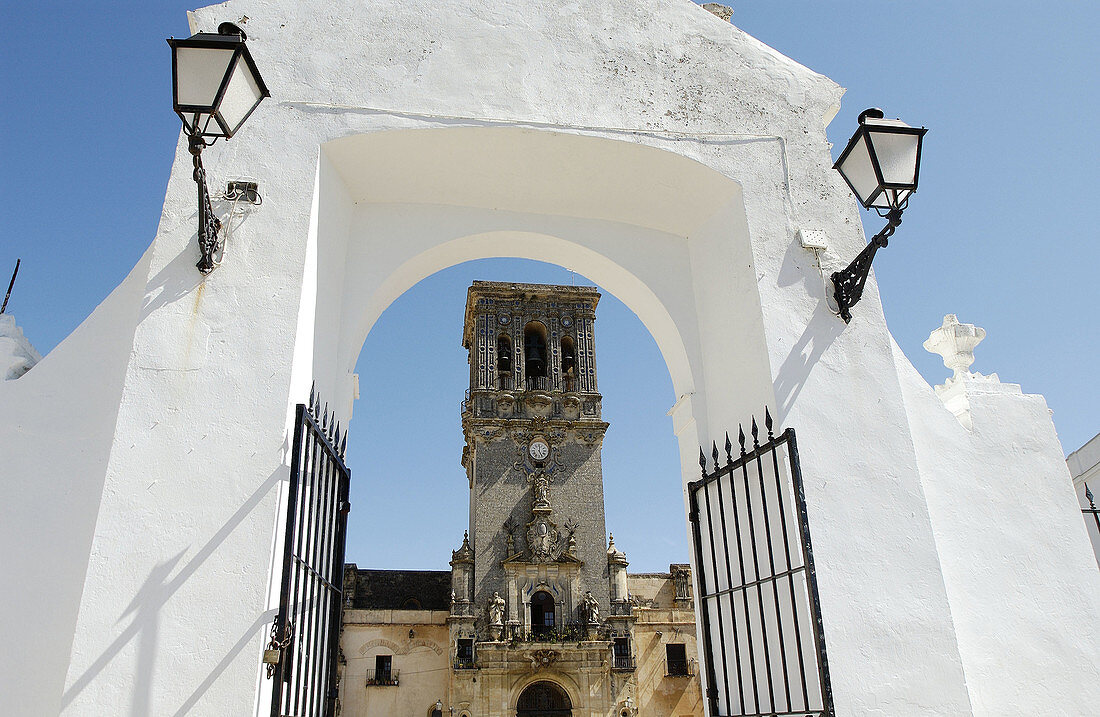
x=1023 y=588
x=649 y=145
x=57 y=423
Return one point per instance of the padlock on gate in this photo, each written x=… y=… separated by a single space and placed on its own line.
x=273 y=653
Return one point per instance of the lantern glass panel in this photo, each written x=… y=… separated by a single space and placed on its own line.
x=199 y=74
x=857 y=168
x=242 y=94
x=201 y=123
x=897 y=156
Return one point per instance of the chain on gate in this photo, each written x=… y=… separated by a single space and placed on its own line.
x=763 y=643
x=302 y=654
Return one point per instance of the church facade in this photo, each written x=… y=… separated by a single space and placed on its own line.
x=538 y=614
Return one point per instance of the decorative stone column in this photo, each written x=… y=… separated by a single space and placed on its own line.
x=462 y=618
x=621 y=620
x=616 y=572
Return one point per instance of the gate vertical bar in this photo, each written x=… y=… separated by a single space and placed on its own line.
x=714 y=566
x=284 y=584
x=771 y=567
x=729 y=574
x=693 y=518
x=787 y=558
x=744 y=462
x=811 y=574
x=344 y=507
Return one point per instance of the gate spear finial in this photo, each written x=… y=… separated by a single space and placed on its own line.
x=703 y=461
x=741 y=437
x=729 y=449
x=768 y=421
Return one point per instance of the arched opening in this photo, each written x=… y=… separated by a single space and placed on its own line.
x=679 y=261
x=568 y=364
x=534 y=357
x=542 y=613
x=504 y=362
x=543 y=699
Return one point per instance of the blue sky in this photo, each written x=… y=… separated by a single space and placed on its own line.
x=1002 y=231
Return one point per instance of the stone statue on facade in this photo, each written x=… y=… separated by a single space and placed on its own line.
x=496 y=616
x=542 y=490
x=590 y=609
x=496 y=610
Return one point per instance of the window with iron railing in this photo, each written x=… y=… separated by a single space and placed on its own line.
x=383 y=672
x=677 y=663
x=464 y=654
x=621 y=657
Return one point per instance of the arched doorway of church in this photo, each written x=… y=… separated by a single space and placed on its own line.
x=543 y=699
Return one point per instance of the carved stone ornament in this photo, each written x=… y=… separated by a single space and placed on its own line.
x=955 y=343
x=542 y=658
x=543 y=539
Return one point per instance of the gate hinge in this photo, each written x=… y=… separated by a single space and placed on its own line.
x=345 y=506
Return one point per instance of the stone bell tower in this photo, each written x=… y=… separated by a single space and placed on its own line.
x=536 y=557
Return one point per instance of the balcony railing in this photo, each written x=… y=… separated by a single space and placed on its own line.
x=573 y=632
x=622 y=662
x=382 y=677
x=463 y=663
x=679 y=668
x=538 y=383
x=622 y=607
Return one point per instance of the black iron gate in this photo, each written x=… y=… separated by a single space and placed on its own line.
x=306 y=632
x=764 y=649
x=1093 y=525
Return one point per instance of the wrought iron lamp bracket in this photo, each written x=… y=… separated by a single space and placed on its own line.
x=848 y=282
x=211 y=241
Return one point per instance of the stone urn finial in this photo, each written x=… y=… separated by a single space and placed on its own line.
x=955 y=342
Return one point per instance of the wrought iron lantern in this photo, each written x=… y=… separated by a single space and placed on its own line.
x=881 y=164
x=215 y=87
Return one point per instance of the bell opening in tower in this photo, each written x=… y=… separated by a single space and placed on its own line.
x=534 y=356
x=568 y=364
x=504 y=363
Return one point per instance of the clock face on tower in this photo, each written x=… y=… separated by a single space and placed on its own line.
x=538 y=450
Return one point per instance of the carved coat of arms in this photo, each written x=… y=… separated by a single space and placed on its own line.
x=543 y=540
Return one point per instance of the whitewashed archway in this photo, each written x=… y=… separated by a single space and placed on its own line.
x=665 y=234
